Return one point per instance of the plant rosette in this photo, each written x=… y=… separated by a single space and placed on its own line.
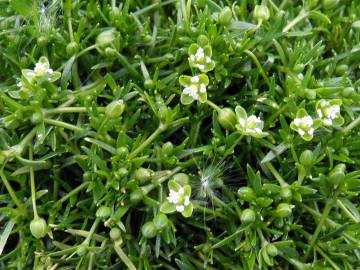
x=195 y=88
x=249 y=125
x=178 y=200
x=305 y=125
x=329 y=112
x=41 y=72
x=200 y=57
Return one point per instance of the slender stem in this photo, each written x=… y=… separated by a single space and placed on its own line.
x=210 y=211
x=27 y=139
x=128 y=66
x=125 y=259
x=62 y=124
x=322 y=220
x=231 y=148
x=213 y=105
x=352 y=125
x=60 y=110
x=276 y=174
x=257 y=63
x=302 y=15
x=346 y=211
x=70 y=29
x=32 y=185
x=10 y=190
x=162 y=127
x=72 y=192
x=333 y=264
x=92 y=230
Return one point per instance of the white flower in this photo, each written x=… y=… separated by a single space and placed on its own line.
x=191 y=91
x=180 y=208
x=329 y=111
x=42 y=69
x=199 y=55
x=304 y=125
x=253 y=124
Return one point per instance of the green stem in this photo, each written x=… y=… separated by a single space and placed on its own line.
x=162 y=127
x=346 y=211
x=276 y=174
x=129 y=66
x=231 y=148
x=322 y=220
x=210 y=211
x=32 y=185
x=70 y=110
x=302 y=15
x=257 y=63
x=213 y=105
x=327 y=258
x=10 y=190
x=72 y=192
x=352 y=125
x=125 y=259
x=63 y=125
x=92 y=231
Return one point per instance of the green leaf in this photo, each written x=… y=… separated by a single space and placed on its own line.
x=5 y=234
x=66 y=74
x=167 y=207
x=188 y=210
x=23 y=7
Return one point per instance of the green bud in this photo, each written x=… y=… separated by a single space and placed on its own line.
x=72 y=48
x=115 y=234
x=348 y=92
x=149 y=84
x=286 y=193
x=341 y=69
x=329 y=4
x=122 y=172
x=110 y=52
x=271 y=250
x=103 y=212
x=143 y=175
x=284 y=210
x=160 y=221
x=298 y=68
x=168 y=149
x=115 y=108
x=136 y=196
x=37 y=117
x=248 y=216
x=246 y=194
x=149 y=230
x=38 y=227
x=227 y=118
x=42 y=41
x=310 y=94
x=108 y=38
x=202 y=40
x=337 y=175
x=122 y=151
x=181 y=178
x=307 y=158
x=225 y=16
x=261 y=12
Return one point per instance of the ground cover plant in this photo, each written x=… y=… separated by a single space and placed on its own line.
x=198 y=134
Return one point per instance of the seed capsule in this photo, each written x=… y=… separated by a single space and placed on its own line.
x=246 y=194
x=38 y=227
x=115 y=109
x=160 y=221
x=227 y=118
x=284 y=210
x=225 y=16
x=149 y=230
x=103 y=212
x=248 y=216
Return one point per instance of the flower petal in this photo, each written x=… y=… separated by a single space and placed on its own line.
x=167 y=207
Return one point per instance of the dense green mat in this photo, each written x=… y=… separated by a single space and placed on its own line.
x=179 y=134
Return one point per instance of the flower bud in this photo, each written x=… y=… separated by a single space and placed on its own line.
x=103 y=212
x=348 y=92
x=160 y=221
x=115 y=234
x=108 y=38
x=37 y=117
x=329 y=4
x=227 y=118
x=225 y=16
x=167 y=149
x=310 y=94
x=72 y=48
x=271 y=250
x=341 y=69
x=181 y=178
x=115 y=108
x=286 y=193
x=246 y=194
x=149 y=84
x=143 y=175
x=202 y=40
x=136 y=196
x=261 y=12
x=149 y=230
x=122 y=151
x=38 y=227
x=337 y=175
x=307 y=158
x=284 y=210
x=248 y=216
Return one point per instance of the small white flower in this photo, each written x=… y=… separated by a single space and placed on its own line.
x=305 y=122
x=173 y=197
x=202 y=88
x=180 y=208
x=41 y=69
x=200 y=54
x=191 y=91
x=329 y=111
x=200 y=66
x=195 y=79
